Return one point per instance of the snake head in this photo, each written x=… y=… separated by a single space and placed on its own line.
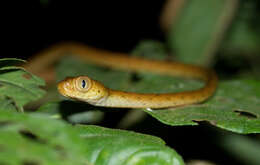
x=84 y=89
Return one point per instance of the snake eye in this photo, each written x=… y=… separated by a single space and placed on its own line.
x=83 y=83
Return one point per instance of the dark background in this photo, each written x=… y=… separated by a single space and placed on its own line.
x=114 y=25
x=31 y=26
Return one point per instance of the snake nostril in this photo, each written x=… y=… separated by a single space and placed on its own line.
x=66 y=85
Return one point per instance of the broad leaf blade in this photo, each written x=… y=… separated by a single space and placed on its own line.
x=243 y=36
x=128 y=147
x=10 y=62
x=196 y=34
x=38 y=139
x=19 y=85
x=234 y=107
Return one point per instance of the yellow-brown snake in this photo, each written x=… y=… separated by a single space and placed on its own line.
x=85 y=89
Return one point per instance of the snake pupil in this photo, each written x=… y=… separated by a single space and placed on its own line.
x=83 y=84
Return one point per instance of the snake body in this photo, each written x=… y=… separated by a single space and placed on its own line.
x=86 y=89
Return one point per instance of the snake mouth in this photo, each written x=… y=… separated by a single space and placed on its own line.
x=60 y=87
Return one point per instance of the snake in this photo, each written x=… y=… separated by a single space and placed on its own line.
x=85 y=89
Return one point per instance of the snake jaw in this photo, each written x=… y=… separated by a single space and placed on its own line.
x=65 y=88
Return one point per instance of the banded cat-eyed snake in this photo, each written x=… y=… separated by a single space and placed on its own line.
x=93 y=92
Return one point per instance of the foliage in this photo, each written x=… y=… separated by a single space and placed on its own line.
x=17 y=86
x=234 y=107
x=203 y=31
x=38 y=139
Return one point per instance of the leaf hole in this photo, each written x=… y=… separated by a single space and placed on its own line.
x=246 y=114
x=62 y=152
x=30 y=162
x=29 y=135
x=135 y=78
x=4 y=123
x=205 y=122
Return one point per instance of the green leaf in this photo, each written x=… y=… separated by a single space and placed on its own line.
x=151 y=49
x=234 y=107
x=196 y=34
x=10 y=62
x=36 y=138
x=128 y=148
x=18 y=85
x=7 y=104
x=243 y=36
